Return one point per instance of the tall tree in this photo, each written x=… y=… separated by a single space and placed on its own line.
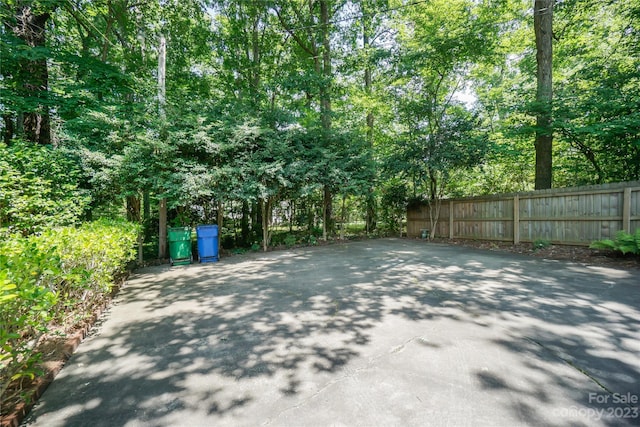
x=27 y=21
x=543 y=27
x=373 y=14
x=162 y=96
x=368 y=84
x=310 y=27
x=441 y=42
x=596 y=92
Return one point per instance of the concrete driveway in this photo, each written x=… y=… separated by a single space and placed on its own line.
x=371 y=333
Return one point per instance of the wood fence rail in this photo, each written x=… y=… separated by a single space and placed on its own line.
x=571 y=216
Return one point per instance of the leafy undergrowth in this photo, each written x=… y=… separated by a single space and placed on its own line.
x=624 y=242
x=50 y=285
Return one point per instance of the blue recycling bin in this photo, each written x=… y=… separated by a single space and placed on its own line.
x=207 y=243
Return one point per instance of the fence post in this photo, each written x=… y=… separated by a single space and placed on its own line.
x=516 y=219
x=626 y=210
x=450 y=219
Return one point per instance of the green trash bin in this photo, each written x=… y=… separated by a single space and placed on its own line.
x=180 y=246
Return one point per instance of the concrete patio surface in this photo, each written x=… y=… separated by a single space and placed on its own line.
x=384 y=332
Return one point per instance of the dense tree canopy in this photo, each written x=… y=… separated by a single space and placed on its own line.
x=301 y=108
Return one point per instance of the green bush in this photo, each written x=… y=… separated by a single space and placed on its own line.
x=27 y=280
x=290 y=240
x=56 y=277
x=91 y=256
x=624 y=242
x=38 y=189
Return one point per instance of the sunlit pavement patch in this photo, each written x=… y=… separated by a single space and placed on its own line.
x=379 y=332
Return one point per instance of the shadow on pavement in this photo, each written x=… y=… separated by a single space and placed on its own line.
x=214 y=339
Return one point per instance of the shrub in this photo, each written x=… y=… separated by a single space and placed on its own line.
x=27 y=278
x=91 y=256
x=55 y=277
x=624 y=242
x=38 y=188
x=290 y=240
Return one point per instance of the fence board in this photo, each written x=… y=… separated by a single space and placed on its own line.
x=562 y=216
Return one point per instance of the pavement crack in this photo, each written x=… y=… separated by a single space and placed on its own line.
x=349 y=374
x=571 y=364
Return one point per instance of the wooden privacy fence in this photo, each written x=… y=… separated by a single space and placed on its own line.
x=572 y=216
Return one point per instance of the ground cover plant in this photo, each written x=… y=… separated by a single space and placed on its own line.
x=625 y=243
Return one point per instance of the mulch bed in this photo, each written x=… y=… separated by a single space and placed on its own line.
x=56 y=349
x=580 y=254
x=55 y=352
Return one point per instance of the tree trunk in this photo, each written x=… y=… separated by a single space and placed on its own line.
x=134 y=215
x=162 y=82
x=146 y=207
x=162 y=229
x=256 y=218
x=321 y=58
x=220 y=223
x=370 y=198
x=344 y=216
x=146 y=215
x=310 y=212
x=9 y=128
x=325 y=108
x=141 y=246
x=266 y=213
x=162 y=63
x=325 y=87
x=434 y=215
x=372 y=206
x=244 y=225
x=256 y=58
x=292 y=213
x=34 y=74
x=543 y=25
x=327 y=213
x=133 y=208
